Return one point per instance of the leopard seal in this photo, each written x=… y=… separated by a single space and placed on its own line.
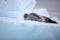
x=39 y=18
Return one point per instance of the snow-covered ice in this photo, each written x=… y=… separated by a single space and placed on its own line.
x=17 y=29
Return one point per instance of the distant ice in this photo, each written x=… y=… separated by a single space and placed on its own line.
x=42 y=12
x=16 y=8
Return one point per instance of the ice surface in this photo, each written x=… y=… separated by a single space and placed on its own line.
x=19 y=29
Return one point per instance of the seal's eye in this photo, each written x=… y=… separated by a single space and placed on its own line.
x=25 y=15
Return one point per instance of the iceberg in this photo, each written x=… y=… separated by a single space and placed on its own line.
x=10 y=8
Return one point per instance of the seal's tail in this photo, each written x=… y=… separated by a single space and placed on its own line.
x=51 y=21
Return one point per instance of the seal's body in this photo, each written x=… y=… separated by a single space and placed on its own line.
x=35 y=17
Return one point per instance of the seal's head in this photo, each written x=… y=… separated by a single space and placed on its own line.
x=25 y=15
